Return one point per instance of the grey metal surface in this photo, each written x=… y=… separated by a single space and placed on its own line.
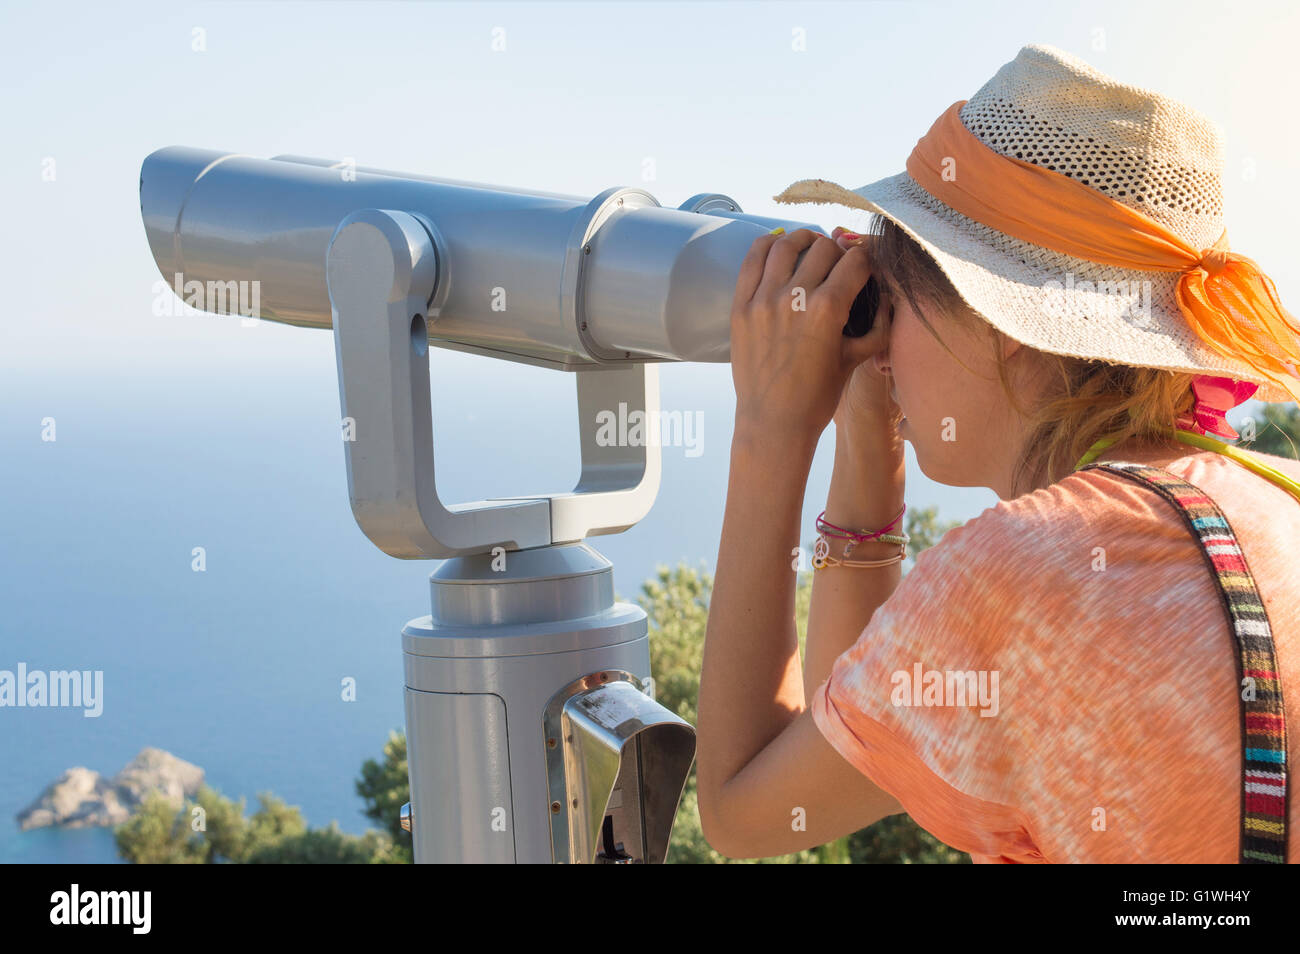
x=544 y=584
x=550 y=599
x=461 y=797
x=561 y=281
x=384 y=268
x=617 y=762
x=342 y=166
x=521 y=652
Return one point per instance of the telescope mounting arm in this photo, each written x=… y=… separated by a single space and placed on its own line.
x=386 y=272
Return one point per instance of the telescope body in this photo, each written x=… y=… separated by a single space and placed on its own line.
x=537 y=277
x=613 y=283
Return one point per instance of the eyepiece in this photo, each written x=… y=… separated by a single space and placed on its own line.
x=862 y=313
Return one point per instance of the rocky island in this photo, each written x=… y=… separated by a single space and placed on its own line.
x=82 y=798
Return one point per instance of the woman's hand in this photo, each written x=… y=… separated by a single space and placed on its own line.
x=789 y=359
x=867 y=407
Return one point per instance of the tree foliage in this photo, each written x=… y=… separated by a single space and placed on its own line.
x=1278 y=433
x=212 y=829
x=384 y=787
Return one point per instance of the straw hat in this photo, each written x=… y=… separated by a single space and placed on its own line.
x=1144 y=150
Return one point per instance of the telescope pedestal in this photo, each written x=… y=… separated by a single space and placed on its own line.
x=489 y=736
x=528 y=736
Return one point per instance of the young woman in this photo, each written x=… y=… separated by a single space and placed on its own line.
x=1103 y=666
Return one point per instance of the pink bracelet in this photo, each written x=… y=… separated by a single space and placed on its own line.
x=825 y=529
x=825 y=526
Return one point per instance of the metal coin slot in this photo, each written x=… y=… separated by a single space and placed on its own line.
x=619 y=771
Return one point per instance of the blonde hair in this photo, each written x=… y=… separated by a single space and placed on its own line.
x=1085 y=399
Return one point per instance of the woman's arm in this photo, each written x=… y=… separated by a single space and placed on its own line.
x=751 y=685
x=866 y=492
x=768 y=782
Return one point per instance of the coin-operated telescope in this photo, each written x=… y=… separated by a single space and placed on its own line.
x=532 y=732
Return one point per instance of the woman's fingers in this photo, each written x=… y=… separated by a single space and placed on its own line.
x=842 y=285
x=751 y=269
x=831 y=275
x=817 y=263
x=781 y=258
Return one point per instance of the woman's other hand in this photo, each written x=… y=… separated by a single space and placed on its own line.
x=867 y=406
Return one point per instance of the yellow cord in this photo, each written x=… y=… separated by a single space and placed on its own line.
x=1242 y=457
x=1095 y=450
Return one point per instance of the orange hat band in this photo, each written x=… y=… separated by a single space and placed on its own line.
x=1229 y=303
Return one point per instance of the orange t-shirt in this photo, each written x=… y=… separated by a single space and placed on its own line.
x=1100 y=718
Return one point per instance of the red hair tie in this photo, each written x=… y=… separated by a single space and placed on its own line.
x=1214 y=397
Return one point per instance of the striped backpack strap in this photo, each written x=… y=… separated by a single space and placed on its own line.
x=1264 y=791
